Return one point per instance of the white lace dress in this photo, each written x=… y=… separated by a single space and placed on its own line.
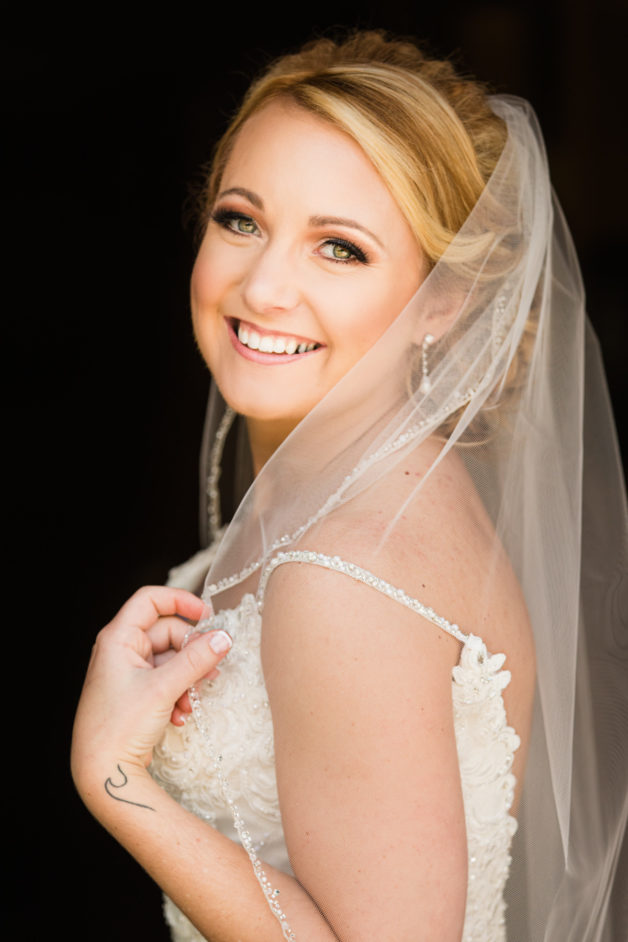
x=235 y=714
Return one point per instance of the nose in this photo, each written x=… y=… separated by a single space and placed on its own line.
x=271 y=283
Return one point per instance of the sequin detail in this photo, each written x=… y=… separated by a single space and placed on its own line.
x=337 y=564
x=236 y=790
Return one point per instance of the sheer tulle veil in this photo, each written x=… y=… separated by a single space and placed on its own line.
x=517 y=390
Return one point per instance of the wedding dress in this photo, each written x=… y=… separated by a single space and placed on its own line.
x=238 y=718
x=516 y=391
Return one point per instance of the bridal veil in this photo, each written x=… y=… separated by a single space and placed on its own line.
x=516 y=387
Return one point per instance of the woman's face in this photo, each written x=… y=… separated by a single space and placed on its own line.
x=306 y=261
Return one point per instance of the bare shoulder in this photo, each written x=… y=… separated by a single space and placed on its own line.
x=360 y=692
x=366 y=760
x=442 y=549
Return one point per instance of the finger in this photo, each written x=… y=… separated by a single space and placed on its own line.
x=212 y=674
x=163 y=658
x=151 y=602
x=168 y=632
x=177 y=717
x=183 y=706
x=184 y=703
x=166 y=656
x=193 y=662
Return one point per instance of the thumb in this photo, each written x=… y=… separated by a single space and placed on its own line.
x=194 y=661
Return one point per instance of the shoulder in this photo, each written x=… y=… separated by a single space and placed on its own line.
x=318 y=610
x=432 y=538
x=367 y=767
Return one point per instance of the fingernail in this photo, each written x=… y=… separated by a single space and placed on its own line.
x=219 y=641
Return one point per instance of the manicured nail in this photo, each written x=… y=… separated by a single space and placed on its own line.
x=219 y=641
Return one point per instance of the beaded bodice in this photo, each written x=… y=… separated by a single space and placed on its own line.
x=236 y=769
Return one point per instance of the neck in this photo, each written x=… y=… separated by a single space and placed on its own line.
x=265 y=437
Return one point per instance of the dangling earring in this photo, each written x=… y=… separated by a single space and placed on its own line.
x=426 y=384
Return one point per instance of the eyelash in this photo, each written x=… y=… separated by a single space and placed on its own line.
x=358 y=255
x=228 y=217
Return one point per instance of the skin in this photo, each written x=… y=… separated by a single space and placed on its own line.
x=387 y=816
x=290 y=273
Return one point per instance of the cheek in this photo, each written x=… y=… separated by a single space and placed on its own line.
x=388 y=304
x=215 y=270
x=379 y=308
x=373 y=317
x=205 y=296
x=204 y=284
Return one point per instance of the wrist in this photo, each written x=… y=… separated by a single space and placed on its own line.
x=111 y=783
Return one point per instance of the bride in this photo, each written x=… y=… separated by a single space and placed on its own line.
x=390 y=670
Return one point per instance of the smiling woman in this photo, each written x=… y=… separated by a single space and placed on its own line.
x=388 y=301
x=300 y=271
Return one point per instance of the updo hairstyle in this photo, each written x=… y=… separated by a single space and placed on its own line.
x=433 y=138
x=429 y=133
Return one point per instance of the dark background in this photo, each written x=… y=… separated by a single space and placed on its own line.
x=108 y=122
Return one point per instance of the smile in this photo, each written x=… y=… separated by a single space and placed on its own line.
x=264 y=341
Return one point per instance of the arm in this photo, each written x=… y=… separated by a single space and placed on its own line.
x=367 y=766
x=377 y=841
x=126 y=702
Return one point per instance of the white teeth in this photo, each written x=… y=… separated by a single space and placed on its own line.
x=269 y=344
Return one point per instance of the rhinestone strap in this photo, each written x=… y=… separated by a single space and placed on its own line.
x=246 y=840
x=361 y=575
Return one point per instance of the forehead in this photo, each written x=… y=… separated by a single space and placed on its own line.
x=285 y=152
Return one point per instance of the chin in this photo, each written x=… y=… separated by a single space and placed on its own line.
x=264 y=409
x=264 y=401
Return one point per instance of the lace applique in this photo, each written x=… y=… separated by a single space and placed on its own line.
x=221 y=764
x=486 y=747
x=236 y=718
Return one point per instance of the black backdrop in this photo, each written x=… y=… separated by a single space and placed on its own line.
x=109 y=122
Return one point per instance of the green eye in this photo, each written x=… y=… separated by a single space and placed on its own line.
x=245 y=225
x=235 y=222
x=339 y=250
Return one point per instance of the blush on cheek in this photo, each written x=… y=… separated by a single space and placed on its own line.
x=197 y=280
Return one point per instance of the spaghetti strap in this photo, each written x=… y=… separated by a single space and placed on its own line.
x=336 y=564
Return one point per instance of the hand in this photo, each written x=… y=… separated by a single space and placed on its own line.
x=137 y=673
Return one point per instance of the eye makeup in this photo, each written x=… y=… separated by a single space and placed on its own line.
x=234 y=221
x=356 y=254
x=243 y=224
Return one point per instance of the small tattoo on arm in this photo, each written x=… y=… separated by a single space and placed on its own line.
x=109 y=784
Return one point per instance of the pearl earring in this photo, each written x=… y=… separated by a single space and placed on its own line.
x=426 y=383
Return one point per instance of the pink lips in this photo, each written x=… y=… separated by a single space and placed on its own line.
x=268 y=359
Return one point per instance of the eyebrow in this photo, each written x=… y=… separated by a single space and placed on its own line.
x=315 y=221
x=339 y=221
x=249 y=195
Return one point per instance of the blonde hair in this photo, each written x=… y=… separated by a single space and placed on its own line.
x=430 y=133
